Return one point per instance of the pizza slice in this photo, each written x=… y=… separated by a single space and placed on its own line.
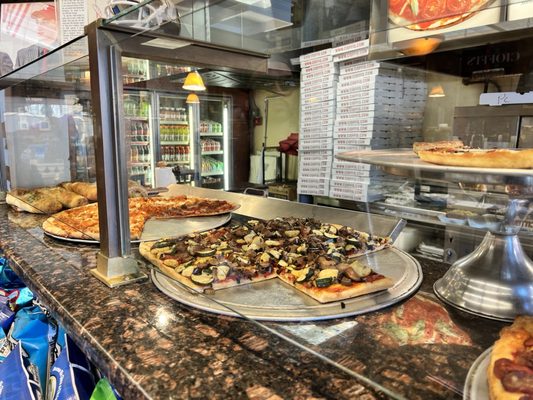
x=510 y=371
x=480 y=158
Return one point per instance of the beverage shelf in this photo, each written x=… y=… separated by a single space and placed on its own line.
x=202 y=134
x=172 y=142
x=209 y=153
x=138 y=143
x=137 y=163
x=136 y=118
x=212 y=173
x=172 y=121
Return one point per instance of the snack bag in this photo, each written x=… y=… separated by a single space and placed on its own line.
x=8 y=279
x=17 y=378
x=104 y=391
x=70 y=376
x=36 y=334
x=5 y=349
x=7 y=315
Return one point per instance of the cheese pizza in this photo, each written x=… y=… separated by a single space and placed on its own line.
x=315 y=258
x=490 y=158
x=82 y=222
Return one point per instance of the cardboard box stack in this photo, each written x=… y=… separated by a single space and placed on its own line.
x=375 y=106
x=317 y=118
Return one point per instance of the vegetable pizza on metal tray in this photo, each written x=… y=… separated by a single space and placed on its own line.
x=318 y=259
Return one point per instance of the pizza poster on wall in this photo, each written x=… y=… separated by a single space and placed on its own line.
x=410 y=19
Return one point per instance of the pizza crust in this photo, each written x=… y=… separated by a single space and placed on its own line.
x=510 y=342
x=337 y=292
x=502 y=158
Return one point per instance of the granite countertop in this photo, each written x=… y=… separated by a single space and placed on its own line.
x=151 y=346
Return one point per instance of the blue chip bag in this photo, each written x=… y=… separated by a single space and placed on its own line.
x=36 y=334
x=17 y=379
x=5 y=348
x=70 y=376
x=7 y=316
x=104 y=391
x=8 y=279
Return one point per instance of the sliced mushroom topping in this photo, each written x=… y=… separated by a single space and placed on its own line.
x=361 y=269
x=324 y=263
x=292 y=233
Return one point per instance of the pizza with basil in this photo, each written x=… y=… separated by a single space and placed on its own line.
x=315 y=258
x=82 y=222
x=422 y=15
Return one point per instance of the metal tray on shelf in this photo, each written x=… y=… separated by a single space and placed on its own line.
x=274 y=300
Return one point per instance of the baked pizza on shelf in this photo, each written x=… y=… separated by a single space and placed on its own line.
x=454 y=153
x=423 y=15
x=82 y=222
x=315 y=258
x=510 y=371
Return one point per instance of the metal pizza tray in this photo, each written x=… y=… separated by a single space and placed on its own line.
x=476 y=384
x=273 y=300
x=156 y=229
x=405 y=162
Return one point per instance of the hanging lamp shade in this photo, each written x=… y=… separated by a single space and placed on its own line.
x=193 y=82
x=436 y=91
x=192 y=98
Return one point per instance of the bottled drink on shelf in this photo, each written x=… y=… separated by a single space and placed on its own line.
x=145 y=134
x=134 y=154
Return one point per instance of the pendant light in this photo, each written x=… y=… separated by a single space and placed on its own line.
x=192 y=98
x=193 y=82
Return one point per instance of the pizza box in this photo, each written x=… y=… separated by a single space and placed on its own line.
x=319 y=70
x=316 y=54
x=318 y=96
x=317 y=187
x=316 y=62
x=362 y=44
x=339 y=148
x=367 y=108
x=309 y=163
x=367 y=97
x=347 y=134
x=316 y=144
x=354 y=166
x=318 y=85
x=348 y=80
x=346 y=88
x=368 y=141
x=371 y=73
x=350 y=55
x=341 y=40
x=353 y=191
x=316 y=121
x=323 y=106
x=314 y=172
x=364 y=180
x=377 y=114
x=359 y=66
x=317 y=132
x=343 y=174
x=320 y=157
x=365 y=125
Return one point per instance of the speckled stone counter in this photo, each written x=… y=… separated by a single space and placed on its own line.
x=151 y=346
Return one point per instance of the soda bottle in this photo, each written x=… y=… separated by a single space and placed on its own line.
x=144 y=127
x=172 y=155
x=134 y=154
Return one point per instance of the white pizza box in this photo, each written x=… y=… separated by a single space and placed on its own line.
x=316 y=54
x=370 y=73
x=353 y=166
x=346 y=134
x=318 y=74
x=355 y=66
x=329 y=79
x=377 y=80
x=325 y=83
x=380 y=115
x=316 y=143
x=316 y=120
x=317 y=187
x=322 y=163
x=312 y=171
x=362 y=44
x=318 y=96
x=353 y=191
x=317 y=132
x=319 y=69
x=316 y=62
x=365 y=125
x=339 y=148
x=377 y=109
x=322 y=106
x=351 y=55
x=350 y=178
x=367 y=97
x=310 y=155
x=354 y=175
x=363 y=87
x=365 y=141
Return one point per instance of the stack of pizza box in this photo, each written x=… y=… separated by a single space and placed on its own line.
x=317 y=117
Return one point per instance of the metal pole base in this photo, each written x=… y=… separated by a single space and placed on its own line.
x=494 y=281
x=117 y=271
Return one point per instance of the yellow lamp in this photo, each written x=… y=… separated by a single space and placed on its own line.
x=436 y=91
x=192 y=98
x=193 y=82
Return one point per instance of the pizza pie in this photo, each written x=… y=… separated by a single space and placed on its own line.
x=82 y=222
x=443 y=144
x=422 y=15
x=318 y=259
x=481 y=158
x=510 y=371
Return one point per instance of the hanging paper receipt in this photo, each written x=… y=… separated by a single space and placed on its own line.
x=503 y=98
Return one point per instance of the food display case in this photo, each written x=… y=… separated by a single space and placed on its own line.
x=266 y=338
